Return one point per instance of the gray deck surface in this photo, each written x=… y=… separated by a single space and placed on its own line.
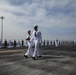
x=57 y=61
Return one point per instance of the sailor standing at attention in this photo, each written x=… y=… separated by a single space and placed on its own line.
x=37 y=39
x=29 y=51
x=56 y=42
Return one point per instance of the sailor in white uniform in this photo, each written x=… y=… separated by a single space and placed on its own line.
x=56 y=42
x=37 y=39
x=19 y=44
x=29 y=51
x=10 y=44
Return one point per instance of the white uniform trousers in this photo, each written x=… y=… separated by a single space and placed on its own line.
x=56 y=43
x=36 y=50
x=29 y=51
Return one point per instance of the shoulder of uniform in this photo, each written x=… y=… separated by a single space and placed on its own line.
x=33 y=31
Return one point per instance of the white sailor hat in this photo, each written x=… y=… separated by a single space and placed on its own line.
x=35 y=25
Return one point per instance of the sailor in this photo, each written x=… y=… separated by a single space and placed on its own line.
x=37 y=38
x=29 y=51
x=19 y=44
x=10 y=44
x=56 y=42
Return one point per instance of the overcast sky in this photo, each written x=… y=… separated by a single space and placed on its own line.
x=55 y=18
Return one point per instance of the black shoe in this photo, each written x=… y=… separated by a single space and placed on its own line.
x=33 y=58
x=39 y=56
x=26 y=56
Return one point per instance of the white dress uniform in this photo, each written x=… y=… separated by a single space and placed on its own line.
x=29 y=51
x=37 y=40
x=10 y=44
x=19 y=44
x=56 y=42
